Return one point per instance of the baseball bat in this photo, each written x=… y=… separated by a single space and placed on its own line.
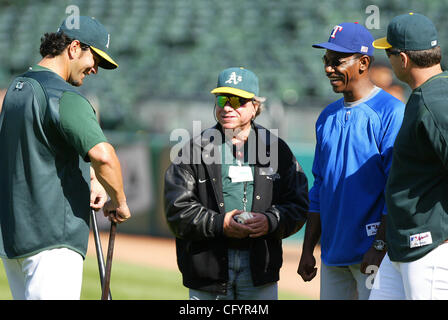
x=110 y=252
x=99 y=251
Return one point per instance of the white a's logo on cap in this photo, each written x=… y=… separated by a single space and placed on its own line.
x=335 y=30
x=234 y=78
x=108 y=40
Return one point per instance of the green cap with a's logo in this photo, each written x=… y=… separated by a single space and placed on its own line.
x=92 y=33
x=413 y=32
x=237 y=81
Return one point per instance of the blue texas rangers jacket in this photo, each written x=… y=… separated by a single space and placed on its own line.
x=351 y=164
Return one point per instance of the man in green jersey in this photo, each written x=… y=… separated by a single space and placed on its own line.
x=416 y=265
x=48 y=135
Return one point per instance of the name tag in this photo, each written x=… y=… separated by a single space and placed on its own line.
x=420 y=239
x=240 y=174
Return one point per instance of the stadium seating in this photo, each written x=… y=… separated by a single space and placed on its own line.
x=174 y=49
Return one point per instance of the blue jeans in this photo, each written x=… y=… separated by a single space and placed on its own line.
x=239 y=286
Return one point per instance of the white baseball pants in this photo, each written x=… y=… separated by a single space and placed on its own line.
x=422 y=279
x=54 y=274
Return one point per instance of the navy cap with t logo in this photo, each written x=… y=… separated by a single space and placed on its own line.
x=91 y=32
x=349 y=37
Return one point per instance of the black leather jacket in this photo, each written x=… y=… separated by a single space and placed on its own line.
x=195 y=211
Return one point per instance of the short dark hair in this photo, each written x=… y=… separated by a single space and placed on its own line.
x=425 y=58
x=52 y=44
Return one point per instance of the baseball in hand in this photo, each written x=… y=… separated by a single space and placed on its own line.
x=241 y=218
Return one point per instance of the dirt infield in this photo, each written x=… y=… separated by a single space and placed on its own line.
x=161 y=252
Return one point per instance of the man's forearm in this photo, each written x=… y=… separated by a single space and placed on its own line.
x=312 y=231
x=108 y=171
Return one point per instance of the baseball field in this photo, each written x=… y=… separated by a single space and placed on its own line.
x=131 y=281
x=144 y=268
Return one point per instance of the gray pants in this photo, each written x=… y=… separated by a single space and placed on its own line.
x=343 y=283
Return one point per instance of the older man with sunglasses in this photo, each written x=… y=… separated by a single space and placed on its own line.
x=416 y=264
x=355 y=135
x=230 y=210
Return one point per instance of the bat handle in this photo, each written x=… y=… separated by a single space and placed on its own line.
x=110 y=252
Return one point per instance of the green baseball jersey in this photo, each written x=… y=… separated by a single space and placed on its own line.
x=46 y=130
x=416 y=191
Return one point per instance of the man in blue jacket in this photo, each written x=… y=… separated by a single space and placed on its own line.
x=355 y=136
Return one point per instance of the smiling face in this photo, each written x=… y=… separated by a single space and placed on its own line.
x=84 y=63
x=342 y=69
x=236 y=119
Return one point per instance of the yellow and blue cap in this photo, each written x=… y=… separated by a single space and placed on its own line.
x=92 y=33
x=410 y=31
x=237 y=81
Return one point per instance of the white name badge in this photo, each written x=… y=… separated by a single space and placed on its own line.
x=240 y=173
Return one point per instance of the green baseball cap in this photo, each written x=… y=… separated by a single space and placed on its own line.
x=410 y=31
x=92 y=33
x=237 y=81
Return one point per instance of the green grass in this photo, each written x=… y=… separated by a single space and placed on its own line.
x=131 y=282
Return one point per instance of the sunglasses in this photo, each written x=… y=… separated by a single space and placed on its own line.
x=335 y=62
x=392 y=52
x=234 y=101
